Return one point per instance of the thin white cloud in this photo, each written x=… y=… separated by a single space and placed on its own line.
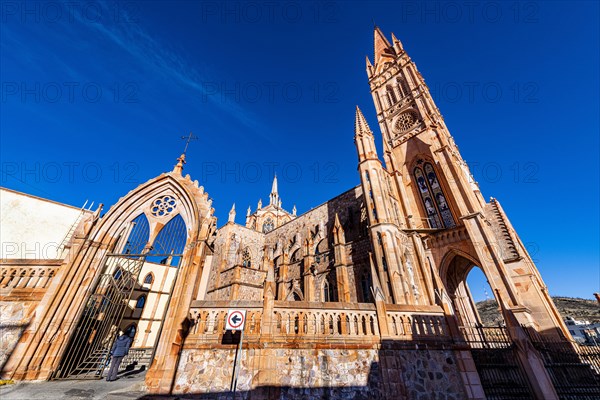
x=139 y=44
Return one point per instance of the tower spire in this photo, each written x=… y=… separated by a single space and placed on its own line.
x=274 y=196
x=382 y=47
x=232 y=214
x=361 y=127
x=363 y=138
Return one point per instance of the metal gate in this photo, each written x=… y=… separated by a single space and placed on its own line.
x=89 y=348
x=88 y=351
x=494 y=355
x=573 y=368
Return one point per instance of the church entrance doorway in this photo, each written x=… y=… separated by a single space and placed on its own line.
x=132 y=295
x=88 y=351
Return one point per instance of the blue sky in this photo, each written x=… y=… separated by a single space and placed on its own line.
x=95 y=98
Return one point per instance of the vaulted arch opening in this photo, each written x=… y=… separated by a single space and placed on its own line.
x=471 y=295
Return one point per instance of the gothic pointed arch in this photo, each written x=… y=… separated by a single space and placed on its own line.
x=247 y=257
x=149 y=278
x=433 y=198
x=449 y=257
x=139 y=233
x=169 y=244
x=62 y=304
x=329 y=288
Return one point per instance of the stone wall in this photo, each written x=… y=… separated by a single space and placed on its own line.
x=227 y=254
x=289 y=238
x=14 y=319
x=335 y=373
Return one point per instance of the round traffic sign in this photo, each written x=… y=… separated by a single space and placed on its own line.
x=235 y=319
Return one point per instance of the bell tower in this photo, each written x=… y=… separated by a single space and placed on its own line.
x=440 y=204
x=434 y=182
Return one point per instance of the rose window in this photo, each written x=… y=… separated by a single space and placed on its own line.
x=163 y=206
x=406 y=121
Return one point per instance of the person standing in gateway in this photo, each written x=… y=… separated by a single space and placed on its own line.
x=119 y=350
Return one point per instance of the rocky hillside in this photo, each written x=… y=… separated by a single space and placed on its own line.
x=579 y=309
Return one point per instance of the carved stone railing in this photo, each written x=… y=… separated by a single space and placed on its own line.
x=333 y=323
x=410 y=326
x=319 y=322
x=210 y=322
x=26 y=277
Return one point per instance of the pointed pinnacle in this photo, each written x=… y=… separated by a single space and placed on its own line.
x=382 y=46
x=397 y=43
x=337 y=223
x=274 y=187
x=360 y=124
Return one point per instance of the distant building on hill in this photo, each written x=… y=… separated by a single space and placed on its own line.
x=584 y=331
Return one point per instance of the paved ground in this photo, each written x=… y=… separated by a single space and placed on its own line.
x=128 y=386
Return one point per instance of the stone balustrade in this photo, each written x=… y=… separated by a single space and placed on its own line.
x=315 y=322
x=26 y=277
x=321 y=322
x=417 y=326
x=211 y=322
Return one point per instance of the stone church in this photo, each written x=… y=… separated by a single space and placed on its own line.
x=362 y=297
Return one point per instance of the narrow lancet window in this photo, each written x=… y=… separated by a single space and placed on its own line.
x=434 y=201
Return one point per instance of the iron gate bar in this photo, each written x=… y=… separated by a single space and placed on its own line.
x=88 y=350
x=99 y=323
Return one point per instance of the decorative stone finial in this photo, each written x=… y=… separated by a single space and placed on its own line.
x=179 y=166
x=232 y=214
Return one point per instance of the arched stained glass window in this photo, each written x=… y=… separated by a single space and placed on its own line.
x=246 y=258
x=436 y=207
x=391 y=95
x=268 y=226
x=149 y=278
x=440 y=199
x=138 y=236
x=141 y=301
x=329 y=289
x=170 y=242
x=365 y=286
x=131 y=330
x=402 y=87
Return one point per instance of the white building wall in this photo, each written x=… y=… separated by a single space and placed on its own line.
x=32 y=227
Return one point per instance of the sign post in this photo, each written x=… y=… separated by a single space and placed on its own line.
x=235 y=321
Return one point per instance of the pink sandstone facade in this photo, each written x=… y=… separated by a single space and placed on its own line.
x=364 y=296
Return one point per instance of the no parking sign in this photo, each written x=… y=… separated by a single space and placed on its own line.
x=235 y=320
